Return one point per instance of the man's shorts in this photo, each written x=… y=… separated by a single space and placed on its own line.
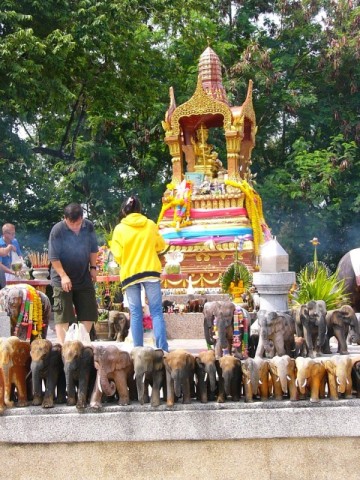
x=75 y=305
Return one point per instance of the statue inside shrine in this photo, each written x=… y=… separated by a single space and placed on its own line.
x=206 y=159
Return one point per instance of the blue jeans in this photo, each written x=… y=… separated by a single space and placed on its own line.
x=153 y=295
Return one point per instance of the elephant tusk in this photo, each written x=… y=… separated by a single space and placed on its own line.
x=296 y=382
x=347 y=381
x=248 y=381
x=278 y=379
x=288 y=377
x=143 y=378
x=205 y=378
x=304 y=384
x=260 y=382
x=99 y=383
x=338 y=381
x=134 y=376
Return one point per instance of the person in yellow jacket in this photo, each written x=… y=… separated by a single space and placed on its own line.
x=135 y=244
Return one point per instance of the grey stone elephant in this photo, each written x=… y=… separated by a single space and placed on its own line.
x=310 y=324
x=341 y=323
x=345 y=271
x=149 y=370
x=219 y=325
x=277 y=334
x=119 y=325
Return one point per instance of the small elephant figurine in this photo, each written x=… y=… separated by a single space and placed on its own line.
x=355 y=375
x=47 y=365
x=114 y=372
x=180 y=369
x=12 y=298
x=149 y=370
x=283 y=374
x=119 y=325
x=229 y=378
x=250 y=378
x=80 y=372
x=276 y=336
x=339 y=323
x=14 y=368
x=219 y=326
x=311 y=325
x=339 y=376
x=206 y=371
x=310 y=378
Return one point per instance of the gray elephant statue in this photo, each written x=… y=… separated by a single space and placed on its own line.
x=277 y=334
x=80 y=372
x=12 y=298
x=47 y=366
x=149 y=371
x=345 y=271
x=180 y=369
x=341 y=323
x=310 y=324
x=114 y=374
x=355 y=375
x=206 y=371
x=219 y=326
x=119 y=325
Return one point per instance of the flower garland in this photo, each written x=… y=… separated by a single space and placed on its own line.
x=253 y=205
x=31 y=314
x=181 y=204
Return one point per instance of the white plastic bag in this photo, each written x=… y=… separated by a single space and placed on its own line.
x=78 y=332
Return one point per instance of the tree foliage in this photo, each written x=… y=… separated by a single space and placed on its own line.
x=84 y=87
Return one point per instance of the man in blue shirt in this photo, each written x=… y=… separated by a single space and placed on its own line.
x=8 y=238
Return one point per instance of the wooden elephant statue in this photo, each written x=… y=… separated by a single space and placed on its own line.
x=114 y=374
x=276 y=334
x=80 y=372
x=14 y=300
x=346 y=272
x=339 y=376
x=255 y=378
x=283 y=374
x=355 y=375
x=119 y=325
x=47 y=366
x=310 y=378
x=180 y=370
x=14 y=368
x=149 y=371
x=206 y=371
x=310 y=324
x=229 y=378
x=341 y=323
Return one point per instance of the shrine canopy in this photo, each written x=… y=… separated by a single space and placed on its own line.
x=187 y=126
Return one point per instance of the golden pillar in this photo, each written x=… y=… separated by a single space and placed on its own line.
x=233 y=142
x=173 y=143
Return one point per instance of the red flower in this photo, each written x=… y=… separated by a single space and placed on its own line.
x=147 y=322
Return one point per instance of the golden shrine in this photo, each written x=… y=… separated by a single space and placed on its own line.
x=210 y=208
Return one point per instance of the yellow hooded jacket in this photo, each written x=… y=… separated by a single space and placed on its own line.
x=135 y=243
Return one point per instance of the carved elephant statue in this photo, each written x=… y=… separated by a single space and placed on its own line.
x=14 y=368
x=149 y=371
x=250 y=378
x=276 y=336
x=310 y=378
x=119 y=325
x=12 y=299
x=219 y=326
x=283 y=374
x=47 y=366
x=229 y=378
x=114 y=374
x=206 y=371
x=180 y=370
x=310 y=324
x=339 y=376
x=341 y=323
x=345 y=271
x=80 y=372
x=355 y=375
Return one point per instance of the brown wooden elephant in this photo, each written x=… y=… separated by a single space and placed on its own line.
x=180 y=369
x=283 y=373
x=114 y=373
x=14 y=366
x=310 y=378
x=339 y=376
x=229 y=379
x=206 y=371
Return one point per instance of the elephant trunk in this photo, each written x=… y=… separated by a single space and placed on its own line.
x=227 y=376
x=301 y=382
x=354 y=332
x=283 y=379
x=208 y=331
x=105 y=385
x=210 y=370
x=222 y=334
x=178 y=381
x=140 y=379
